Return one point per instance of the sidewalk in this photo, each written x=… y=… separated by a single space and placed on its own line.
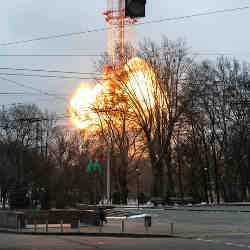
x=191 y=222
x=114 y=228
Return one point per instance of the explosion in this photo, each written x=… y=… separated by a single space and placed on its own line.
x=141 y=78
x=135 y=80
x=81 y=103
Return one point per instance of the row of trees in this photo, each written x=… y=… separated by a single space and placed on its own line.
x=190 y=121
x=45 y=162
x=184 y=134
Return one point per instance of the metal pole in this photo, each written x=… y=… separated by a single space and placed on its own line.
x=206 y=186
x=79 y=225
x=137 y=186
x=47 y=226
x=95 y=176
x=18 y=223
x=123 y=226
x=108 y=174
x=138 y=203
x=171 y=227
x=61 y=226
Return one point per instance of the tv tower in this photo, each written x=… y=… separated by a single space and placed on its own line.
x=120 y=17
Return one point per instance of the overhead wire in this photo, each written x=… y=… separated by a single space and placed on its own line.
x=43 y=92
x=207 y=13
x=49 y=76
x=50 y=55
x=99 y=55
x=39 y=118
x=18 y=93
x=49 y=71
x=27 y=93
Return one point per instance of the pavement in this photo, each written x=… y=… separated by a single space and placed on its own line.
x=181 y=222
x=114 y=228
x=189 y=228
x=75 y=242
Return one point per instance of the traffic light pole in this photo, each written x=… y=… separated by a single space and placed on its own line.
x=108 y=174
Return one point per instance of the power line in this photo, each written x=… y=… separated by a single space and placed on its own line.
x=53 y=37
x=97 y=55
x=35 y=119
x=207 y=13
x=219 y=53
x=17 y=93
x=32 y=88
x=49 y=55
x=215 y=53
x=49 y=76
x=28 y=93
x=195 y=15
x=48 y=71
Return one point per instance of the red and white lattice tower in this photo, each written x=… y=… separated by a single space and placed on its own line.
x=120 y=32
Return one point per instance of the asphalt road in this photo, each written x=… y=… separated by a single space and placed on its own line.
x=25 y=242
x=208 y=230
x=200 y=223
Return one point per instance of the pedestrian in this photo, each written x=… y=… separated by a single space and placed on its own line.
x=102 y=215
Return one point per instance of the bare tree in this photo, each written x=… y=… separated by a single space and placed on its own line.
x=153 y=90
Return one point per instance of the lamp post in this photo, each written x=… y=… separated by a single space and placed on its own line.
x=206 y=189
x=108 y=174
x=138 y=185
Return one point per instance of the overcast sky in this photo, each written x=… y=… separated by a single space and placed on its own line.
x=28 y=19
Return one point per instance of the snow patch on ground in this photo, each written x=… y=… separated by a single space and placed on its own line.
x=129 y=217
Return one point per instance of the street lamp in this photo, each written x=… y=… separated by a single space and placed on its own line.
x=206 y=189
x=138 y=185
x=108 y=173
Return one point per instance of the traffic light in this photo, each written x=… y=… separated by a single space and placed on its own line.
x=135 y=8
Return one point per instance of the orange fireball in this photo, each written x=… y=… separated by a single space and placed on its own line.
x=81 y=103
x=136 y=78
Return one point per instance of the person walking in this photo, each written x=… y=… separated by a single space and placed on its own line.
x=102 y=215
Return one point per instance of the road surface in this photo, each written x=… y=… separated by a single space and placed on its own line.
x=25 y=242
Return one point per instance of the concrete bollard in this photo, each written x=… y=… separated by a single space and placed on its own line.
x=61 y=222
x=171 y=227
x=79 y=225
x=123 y=226
x=18 y=223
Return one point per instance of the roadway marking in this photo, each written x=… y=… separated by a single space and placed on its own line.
x=225 y=243
x=240 y=245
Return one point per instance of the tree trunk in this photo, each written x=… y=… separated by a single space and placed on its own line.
x=170 y=190
x=180 y=180
x=157 y=180
x=216 y=175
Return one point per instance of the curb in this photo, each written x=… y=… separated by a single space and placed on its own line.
x=207 y=210
x=117 y=235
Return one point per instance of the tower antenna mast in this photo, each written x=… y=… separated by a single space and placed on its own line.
x=120 y=17
x=120 y=32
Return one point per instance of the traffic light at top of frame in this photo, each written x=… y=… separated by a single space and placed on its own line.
x=135 y=8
